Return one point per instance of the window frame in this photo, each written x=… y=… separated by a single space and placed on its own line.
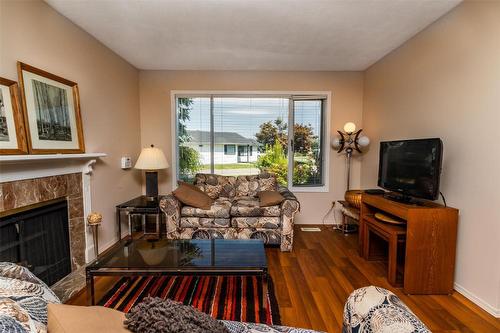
x=226 y=148
x=291 y=95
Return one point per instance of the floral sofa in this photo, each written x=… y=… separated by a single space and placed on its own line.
x=236 y=213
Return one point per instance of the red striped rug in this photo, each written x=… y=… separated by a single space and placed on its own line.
x=223 y=297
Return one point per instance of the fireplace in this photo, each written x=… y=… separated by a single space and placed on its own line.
x=37 y=236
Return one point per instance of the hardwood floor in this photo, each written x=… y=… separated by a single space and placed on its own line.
x=313 y=282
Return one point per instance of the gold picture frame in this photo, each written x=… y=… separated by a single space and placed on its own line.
x=52 y=115
x=12 y=130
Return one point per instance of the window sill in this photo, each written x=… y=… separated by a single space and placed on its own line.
x=311 y=189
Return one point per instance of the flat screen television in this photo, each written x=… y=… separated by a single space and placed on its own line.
x=411 y=168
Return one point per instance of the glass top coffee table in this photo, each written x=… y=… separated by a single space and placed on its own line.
x=180 y=257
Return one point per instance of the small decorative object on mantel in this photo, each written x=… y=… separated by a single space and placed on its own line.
x=151 y=159
x=12 y=131
x=51 y=112
x=94 y=221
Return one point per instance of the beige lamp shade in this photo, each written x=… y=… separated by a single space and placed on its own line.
x=151 y=158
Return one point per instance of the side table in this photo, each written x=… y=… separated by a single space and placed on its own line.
x=142 y=207
x=350 y=213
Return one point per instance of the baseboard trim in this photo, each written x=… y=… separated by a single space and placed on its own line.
x=478 y=301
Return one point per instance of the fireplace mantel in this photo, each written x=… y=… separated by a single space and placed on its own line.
x=19 y=167
x=19 y=173
x=32 y=158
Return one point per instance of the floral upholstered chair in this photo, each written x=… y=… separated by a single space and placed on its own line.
x=236 y=213
x=377 y=310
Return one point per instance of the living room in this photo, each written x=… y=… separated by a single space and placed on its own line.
x=397 y=70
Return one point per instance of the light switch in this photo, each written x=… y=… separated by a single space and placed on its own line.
x=126 y=162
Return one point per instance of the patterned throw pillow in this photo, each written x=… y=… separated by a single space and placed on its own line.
x=249 y=186
x=23 y=300
x=215 y=186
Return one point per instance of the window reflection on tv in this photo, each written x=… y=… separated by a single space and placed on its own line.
x=411 y=167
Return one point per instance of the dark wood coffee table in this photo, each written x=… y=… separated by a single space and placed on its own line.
x=180 y=257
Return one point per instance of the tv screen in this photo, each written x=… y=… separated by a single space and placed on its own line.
x=411 y=167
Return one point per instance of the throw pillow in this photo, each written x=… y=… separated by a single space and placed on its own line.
x=270 y=198
x=84 y=319
x=155 y=315
x=192 y=196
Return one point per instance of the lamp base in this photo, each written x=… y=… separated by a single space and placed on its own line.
x=152 y=185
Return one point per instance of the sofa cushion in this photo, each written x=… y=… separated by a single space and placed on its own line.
x=204 y=222
x=256 y=222
x=192 y=196
x=219 y=209
x=270 y=198
x=249 y=206
x=251 y=185
x=84 y=319
x=215 y=185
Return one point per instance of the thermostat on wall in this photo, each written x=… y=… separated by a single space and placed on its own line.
x=126 y=162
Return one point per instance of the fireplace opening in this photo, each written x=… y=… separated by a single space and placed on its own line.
x=38 y=238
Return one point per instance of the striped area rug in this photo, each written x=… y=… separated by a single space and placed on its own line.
x=223 y=297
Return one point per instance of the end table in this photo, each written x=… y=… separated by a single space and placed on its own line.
x=142 y=207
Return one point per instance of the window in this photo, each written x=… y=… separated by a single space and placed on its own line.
x=229 y=149
x=247 y=134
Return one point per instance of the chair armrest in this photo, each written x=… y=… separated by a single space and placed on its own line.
x=378 y=310
x=171 y=207
x=285 y=192
x=289 y=207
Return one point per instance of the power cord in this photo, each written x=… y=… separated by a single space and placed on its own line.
x=444 y=200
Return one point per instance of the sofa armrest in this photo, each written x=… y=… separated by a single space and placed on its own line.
x=377 y=310
x=171 y=207
x=289 y=207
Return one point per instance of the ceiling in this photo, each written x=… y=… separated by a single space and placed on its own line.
x=253 y=34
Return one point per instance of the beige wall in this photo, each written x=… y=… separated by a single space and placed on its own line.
x=445 y=82
x=32 y=32
x=347 y=92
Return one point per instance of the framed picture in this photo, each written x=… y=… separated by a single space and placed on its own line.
x=12 y=131
x=51 y=112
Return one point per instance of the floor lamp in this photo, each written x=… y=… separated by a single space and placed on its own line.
x=350 y=141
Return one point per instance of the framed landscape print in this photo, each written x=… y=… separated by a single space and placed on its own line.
x=51 y=112
x=12 y=131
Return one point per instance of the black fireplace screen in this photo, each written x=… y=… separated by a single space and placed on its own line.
x=38 y=239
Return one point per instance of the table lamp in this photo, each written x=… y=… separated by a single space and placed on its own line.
x=151 y=159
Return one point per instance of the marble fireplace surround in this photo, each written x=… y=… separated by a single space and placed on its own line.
x=26 y=192
x=31 y=179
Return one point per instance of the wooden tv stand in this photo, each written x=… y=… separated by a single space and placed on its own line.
x=431 y=236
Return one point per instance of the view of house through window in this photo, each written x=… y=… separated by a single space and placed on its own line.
x=247 y=135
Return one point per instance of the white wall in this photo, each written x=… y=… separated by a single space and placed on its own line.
x=445 y=82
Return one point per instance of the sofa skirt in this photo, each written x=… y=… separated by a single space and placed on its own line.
x=269 y=236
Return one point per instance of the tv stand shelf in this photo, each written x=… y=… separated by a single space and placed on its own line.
x=431 y=235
